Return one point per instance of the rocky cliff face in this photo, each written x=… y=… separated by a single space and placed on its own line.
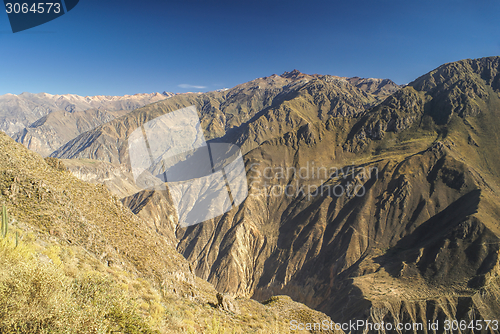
x=57 y=128
x=398 y=222
x=420 y=243
x=247 y=114
x=459 y=89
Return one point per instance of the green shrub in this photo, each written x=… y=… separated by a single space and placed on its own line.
x=5 y=222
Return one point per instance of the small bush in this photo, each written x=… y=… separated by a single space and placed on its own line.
x=55 y=163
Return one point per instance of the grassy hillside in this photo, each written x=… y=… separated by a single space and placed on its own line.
x=75 y=260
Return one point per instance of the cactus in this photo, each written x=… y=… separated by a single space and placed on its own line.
x=5 y=221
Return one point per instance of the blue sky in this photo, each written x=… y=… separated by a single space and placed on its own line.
x=126 y=47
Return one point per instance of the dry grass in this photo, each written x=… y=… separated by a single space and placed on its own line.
x=37 y=296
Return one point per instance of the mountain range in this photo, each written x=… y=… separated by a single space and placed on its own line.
x=404 y=229
x=243 y=114
x=27 y=117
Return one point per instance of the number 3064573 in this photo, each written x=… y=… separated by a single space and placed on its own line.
x=36 y=8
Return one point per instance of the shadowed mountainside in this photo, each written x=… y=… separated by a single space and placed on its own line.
x=414 y=234
x=424 y=232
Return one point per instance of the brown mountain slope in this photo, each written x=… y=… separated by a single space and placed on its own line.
x=84 y=263
x=425 y=233
x=57 y=128
x=248 y=114
x=420 y=243
x=407 y=229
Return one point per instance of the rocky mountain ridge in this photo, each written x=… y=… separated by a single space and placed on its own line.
x=19 y=111
x=422 y=241
x=57 y=128
x=247 y=114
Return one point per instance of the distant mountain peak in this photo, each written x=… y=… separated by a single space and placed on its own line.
x=293 y=74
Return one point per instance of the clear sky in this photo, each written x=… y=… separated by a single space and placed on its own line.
x=117 y=47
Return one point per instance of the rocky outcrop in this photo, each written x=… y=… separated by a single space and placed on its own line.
x=227 y=303
x=397 y=113
x=461 y=89
x=378 y=87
